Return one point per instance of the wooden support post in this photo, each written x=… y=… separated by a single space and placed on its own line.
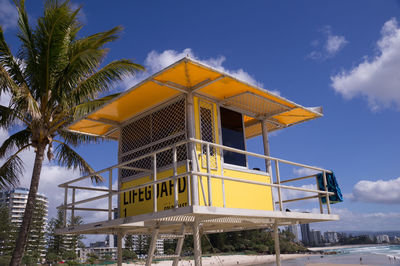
x=268 y=167
x=179 y=245
x=264 y=128
x=153 y=244
x=277 y=248
x=197 y=243
x=119 y=245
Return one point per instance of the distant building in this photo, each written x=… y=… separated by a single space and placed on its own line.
x=305 y=234
x=100 y=252
x=109 y=247
x=315 y=238
x=382 y=239
x=331 y=237
x=294 y=229
x=16 y=200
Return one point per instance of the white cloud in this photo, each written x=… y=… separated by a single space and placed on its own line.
x=329 y=46
x=380 y=191
x=356 y=221
x=156 y=61
x=305 y=171
x=334 y=44
x=377 y=78
x=294 y=194
x=8 y=15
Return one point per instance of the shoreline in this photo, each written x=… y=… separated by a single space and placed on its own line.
x=229 y=260
x=345 y=246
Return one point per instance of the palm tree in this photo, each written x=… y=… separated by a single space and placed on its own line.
x=55 y=78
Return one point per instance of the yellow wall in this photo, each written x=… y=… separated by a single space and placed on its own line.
x=140 y=201
x=237 y=194
x=247 y=196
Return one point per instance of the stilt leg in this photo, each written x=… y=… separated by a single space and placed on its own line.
x=277 y=248
x=179 y=245
x=152 y=247
x=197 y=243
x=119 y=244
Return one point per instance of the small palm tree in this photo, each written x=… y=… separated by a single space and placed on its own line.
x=54 y=79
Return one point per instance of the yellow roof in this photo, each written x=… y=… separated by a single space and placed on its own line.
x=187 y=75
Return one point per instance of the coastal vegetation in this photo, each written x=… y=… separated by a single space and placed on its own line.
x=248 y=242
x=56 y=77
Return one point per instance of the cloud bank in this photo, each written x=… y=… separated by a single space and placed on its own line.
x=156 y=61
x=380 y=191
x=376 y=78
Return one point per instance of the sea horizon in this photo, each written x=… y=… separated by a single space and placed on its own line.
x=364 y=255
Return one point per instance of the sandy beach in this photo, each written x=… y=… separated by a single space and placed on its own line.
x=230 y=260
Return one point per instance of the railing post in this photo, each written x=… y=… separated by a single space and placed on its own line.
x=110 y=195
x=278 y=180
x=209 y=176
x=73 y=206
x=191 y=151
x=328 y=203
x=321 y=208
x=65 y=205
x=155 y=179
x=175 y=170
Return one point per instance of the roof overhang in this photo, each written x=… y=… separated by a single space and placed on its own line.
x=190 y=76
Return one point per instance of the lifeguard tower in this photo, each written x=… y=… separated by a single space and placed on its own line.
x=183 y=167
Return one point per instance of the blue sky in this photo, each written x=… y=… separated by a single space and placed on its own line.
x=342 y=55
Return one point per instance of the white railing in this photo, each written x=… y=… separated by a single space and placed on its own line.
x=193 y=172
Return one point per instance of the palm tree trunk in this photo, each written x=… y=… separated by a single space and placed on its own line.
x=27 y=220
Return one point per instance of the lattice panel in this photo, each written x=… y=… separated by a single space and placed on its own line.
x=159 y=129
x=207 y=131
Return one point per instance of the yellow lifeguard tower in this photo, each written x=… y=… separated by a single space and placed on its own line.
x=182 y=160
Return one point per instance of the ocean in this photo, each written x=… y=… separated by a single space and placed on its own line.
x=370 y=255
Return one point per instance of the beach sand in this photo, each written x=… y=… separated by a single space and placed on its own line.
x=287 y=260
x=229 y=260
x=333 y=264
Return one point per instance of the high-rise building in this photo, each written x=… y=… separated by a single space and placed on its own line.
x=294 y=229
x=305 y=234
x=16 y=200
x=331 y=237
x=315 y=237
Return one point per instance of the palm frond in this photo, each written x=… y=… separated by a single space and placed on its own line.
x=8 y=117
x=52 y=36
x=15 y=141
x=84 y=58
x=76 y=139
x=69 y=158
x=104 y=79
x=89 y=106
x=11 y=170
x=28 y=51
x=8 y=61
